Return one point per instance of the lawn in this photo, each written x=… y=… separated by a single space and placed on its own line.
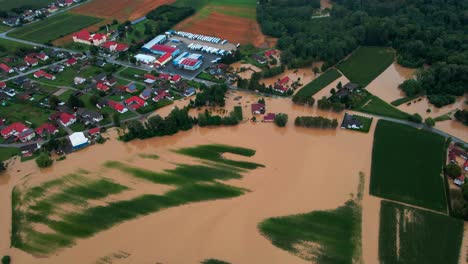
x=129 y=73
x=406 y=166
x=43 y=204
x=77 y=127
x=18 y=112
x=366 y=63
x=6 y=153
x=54 y=27
x=209 y=77
x=4 y=28
x=318 y=84
x=12 y=46
x=377 y=106
x=332 y=236
x=410 y=235
x=7 y=5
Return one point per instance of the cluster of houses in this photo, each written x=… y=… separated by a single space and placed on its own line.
x=31 y=15
x=281 y=85
x=260 y=109
x=29 y=61
x=454 y=153
x=99 y=40
x=267 y=56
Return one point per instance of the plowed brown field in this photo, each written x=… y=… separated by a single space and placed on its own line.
x=234 y=29
x=121 y=10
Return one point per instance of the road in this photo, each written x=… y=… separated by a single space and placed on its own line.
x=32 y=71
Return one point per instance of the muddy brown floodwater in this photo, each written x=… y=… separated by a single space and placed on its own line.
x=306 y=170
x=304 y=75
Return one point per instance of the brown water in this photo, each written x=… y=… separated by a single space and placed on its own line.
x=245 y=74
x=386 y=84
x=306 y=170
x=304 y=75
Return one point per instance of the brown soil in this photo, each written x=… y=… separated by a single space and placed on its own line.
x=234 y=29
x=306 y=170
x=121 y=10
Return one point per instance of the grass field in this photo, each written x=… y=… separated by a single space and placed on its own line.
x=65 y=205
x=11 y=46
x=7 y=5
x=410 y=235
x=6 y=153
x=54 y=27
x=332 y=236
x=366 y=63
x=406 y=166
x=129 y=73
x=318 y=84
x=375 y=105
x=404 y=100
x=16 y=112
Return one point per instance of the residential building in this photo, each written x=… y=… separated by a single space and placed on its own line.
x=13 y=130
x=67 y=119
x=117 y=106
x=258 y=109
x=46 y=129
x=135 y=102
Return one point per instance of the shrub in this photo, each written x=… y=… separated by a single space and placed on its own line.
x=44 y=160
x=452 y=170
x=281 y=120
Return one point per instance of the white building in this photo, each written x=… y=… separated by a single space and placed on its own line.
x=147 y=59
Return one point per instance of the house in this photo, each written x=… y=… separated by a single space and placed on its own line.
x=2 y=85
x=78 y=80
x=21 y=67
x=6 y=68
x=24 y=96
x=98 y=38
x=135 y=102
x=113 y=46
x=94 y=131
x=131 y=88
x=465 y=165
x=30 y=61
x=102 y=86
x=164 y=76
x=13 y=130
x=149 y=78
x=146 y=93
x=346 y=90
x=39 y=74
x=52 y=9
x=89 y=116
x=66 y=119
x=85 y=37
x=78 y=141
x=56 y=68
x=28 y=150
x=350 y=122
x=175 y=78
x=70 y=62
x=42 y=56
x=110 y=82
x=117 y=106
x=49 y=76
x=46 y=129
x=258 y=109
x=270 y=117
x=189 y=92
x=100 y=63
x=162 y=95
x=259 y=59
x=284 y=80
x=20 y=80
x=270 y=53
x=100 y=77
x=79 y=56
x=12 y=21
x=26 y=135
x=452 y=157
x=280 y=88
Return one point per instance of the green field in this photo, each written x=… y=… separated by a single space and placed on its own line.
x=6 y=153
x=7 y=5
x=332 y=236
x=54 y=27
x=47 y=203
x=129 y=73
x=11 y=46
x=19 y=112
x=409 y=235
x=377 y=106
x=406 y=166
x=366 y=63
x=318 y=84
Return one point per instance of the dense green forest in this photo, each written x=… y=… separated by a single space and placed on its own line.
x=431 y=32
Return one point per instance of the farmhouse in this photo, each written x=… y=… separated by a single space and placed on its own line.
x=346 y=90
x=258 y=109
x=78 y=141
x=350 y=122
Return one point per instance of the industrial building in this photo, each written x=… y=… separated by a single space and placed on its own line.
x=157 y=40
x=161 y=61
x=78 y=140
x=147 y=59
x=188 y=61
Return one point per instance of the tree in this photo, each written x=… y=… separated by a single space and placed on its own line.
x=53 y=101
x=429 y=122
x=93 y=50
x=315 y=70
x=2 y=166
x=6 y=260
x=339 y=86
x=116 y=119
x=281 y=119
x=261 y=101
x=44 y=160
x=452 y=170
x=74 y=101
x=415 y=118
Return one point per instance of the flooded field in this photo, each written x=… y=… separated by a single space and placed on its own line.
x=304 y=75
x=299 y=176
x=247 y=74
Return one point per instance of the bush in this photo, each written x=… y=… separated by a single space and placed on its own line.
x=452 y=170
x=315 y=122
x=6 y=260
x=281 y=120
x=429 y=122
x=44 y=160
x=416 y=118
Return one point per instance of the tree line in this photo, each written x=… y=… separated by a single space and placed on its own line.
x=315 y=122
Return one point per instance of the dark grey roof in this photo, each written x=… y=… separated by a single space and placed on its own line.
x=350 y=86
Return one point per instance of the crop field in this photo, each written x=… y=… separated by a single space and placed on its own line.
x=227 y=19
x=410 y=235
x=121 y=10
x=366 y=63
x=78 y=205
x=318 y=84
x=377 y=106
x=406 y=166
x=332 y=236
x=7 y=5
x=54 y=27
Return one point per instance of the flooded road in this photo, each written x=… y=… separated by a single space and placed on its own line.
x=306 y=170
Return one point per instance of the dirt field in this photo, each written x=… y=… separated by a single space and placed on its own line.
x=234 y=29
x=121 y=10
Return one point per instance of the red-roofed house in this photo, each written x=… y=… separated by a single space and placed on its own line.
x=109 y=44
x=258 y=109
x=82 y=36
x=6 y=68
x=283 y=81
x=67 y=119
x=42 y=56
x=31 y=61
x=269 y=53
x=176 y=78
x=13 y=130
x=135 y=102
x=149 y=78
x=164 y=76
x=39 y=74
x=94 y=131
x=280 y=88
x=162 y=95
x=114 y=46
x=117 y=106
x=161 y=61
x=465 y=166
x=2 y=85
x=70 y=62
x=46 y=129
x=49 y=76
x=102 y=87
x=121 y=47
x=98 y=38
x=52 y=9
x=270 y=117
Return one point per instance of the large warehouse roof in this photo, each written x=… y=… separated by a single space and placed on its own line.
x=77 y=139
